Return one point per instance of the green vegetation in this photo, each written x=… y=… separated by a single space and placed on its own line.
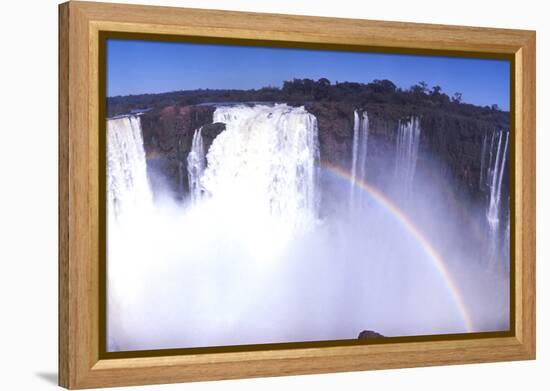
x=418 y=99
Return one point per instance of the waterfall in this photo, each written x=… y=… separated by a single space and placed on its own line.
x=182 y=168
x=129 y=203
x=406 y=153
x=127 y=184
x=233 y=267
x=265 y=162
x=359 y=156
x=482 y=161
x=495 y=174
x=195 y=165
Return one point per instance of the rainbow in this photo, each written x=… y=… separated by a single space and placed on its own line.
x=416 y=233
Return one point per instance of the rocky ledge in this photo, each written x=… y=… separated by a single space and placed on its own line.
x=369 y=334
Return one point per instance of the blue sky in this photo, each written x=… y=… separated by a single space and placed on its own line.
x=137 y=67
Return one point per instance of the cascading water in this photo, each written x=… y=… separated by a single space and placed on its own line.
x=482 y=162
x=358 y=157
x=127 y=184
x=129 y=202
x=195 y=166
x=406 y=153
x=251 y=261
x=495 y=174
x=266 y=161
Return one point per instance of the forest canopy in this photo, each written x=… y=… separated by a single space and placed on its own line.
x=418 y=98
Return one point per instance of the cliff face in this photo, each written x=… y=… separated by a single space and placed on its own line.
x=458 y=142
x=167 y=136
x=452 y=140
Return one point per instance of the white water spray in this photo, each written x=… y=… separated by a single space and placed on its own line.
x=482 y=162
x=251 y=261
x=507 y=248
x=358 y=157
x=129 y=203
x=495 y=176
x=266 y=161
x=406 y=153
x=127 y=184
x=195 y=166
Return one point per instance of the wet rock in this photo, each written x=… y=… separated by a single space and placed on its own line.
x=167 y=137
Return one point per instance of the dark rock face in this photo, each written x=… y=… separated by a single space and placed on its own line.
x=335 y=123
x=458 y=143
x=167 y=136
x=369 y=334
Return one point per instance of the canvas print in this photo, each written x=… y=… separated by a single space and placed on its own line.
x=264 y=195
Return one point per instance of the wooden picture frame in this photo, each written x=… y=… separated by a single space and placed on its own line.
x=81 y=362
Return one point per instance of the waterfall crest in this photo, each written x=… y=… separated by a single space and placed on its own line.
x=406 y=153
x=359 y=156
x=127 y=184
x=266 y=161
x=195 y=165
